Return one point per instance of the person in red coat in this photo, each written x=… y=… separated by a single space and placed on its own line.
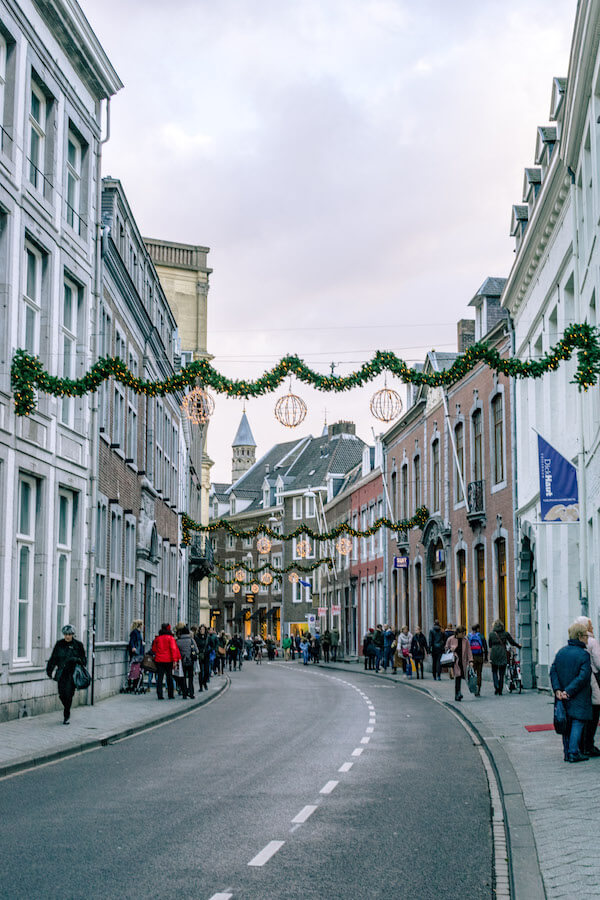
x=166 y=653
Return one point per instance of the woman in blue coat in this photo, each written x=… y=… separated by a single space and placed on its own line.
x=570 y=675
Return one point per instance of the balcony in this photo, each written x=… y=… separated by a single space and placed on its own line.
x=202 y=558
x=476 y=503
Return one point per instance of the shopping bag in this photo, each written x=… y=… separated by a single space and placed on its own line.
x=148 y=663
x=472 y=680
x=561 y=722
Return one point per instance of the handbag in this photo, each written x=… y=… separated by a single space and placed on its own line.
x=472 y=680
x=221 y=650
x=81 y=677
x=177 y=669
x=447 y=658
x=405 y=652
x=149 y=663
x=561 y=721
x=196 y=667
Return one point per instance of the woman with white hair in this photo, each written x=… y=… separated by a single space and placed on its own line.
x=593 y=648
x=67 y=653
x=570 y=675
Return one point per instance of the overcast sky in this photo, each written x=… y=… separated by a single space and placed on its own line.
x=351 y=164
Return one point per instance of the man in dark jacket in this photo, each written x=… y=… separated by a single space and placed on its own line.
x=66 y=654
x=388 y=653
x=437 y=642
x=378 y=644
x=570 y=676
x=335 y=642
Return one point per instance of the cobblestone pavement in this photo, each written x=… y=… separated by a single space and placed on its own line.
x=561 y=799
x=38 y=739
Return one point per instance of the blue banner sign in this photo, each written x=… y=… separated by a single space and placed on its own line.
x=558 y=485
x=401 y=562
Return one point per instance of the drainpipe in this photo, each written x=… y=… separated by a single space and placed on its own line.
x=94 y=426
x=581 y=472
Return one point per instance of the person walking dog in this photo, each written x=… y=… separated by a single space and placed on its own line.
x=66 y=654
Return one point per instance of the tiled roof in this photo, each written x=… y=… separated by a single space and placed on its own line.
x=252 y=480
x=491 y=287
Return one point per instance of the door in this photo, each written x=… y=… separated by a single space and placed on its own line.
x=439 y=600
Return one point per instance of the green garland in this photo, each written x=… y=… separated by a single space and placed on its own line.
x=267 y=567
x=417 y=521
x=28 y=374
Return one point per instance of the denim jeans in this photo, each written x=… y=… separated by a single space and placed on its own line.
x=378 y=657
x=573 y=736
x=388 y=657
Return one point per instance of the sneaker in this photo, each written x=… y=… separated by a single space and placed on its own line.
x=577 y=757
x=593 y=751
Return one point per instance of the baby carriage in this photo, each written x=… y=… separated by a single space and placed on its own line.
x=513 y=672
x=135 y=677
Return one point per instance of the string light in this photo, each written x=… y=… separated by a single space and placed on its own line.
x=344 y=546
x=303 y=549
x=263 y=545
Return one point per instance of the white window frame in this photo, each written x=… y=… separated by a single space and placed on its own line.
x=297 y=508
x=116 y=575
x=3 y=57
x=32 y=305
x=69 y=332
x=310 y=507
x=131 y=437
x=105 y=350
x=231 y=542
x=73 y=183
x=25 y=540
x=129 y=569
x=64 y=551
x=37 y=127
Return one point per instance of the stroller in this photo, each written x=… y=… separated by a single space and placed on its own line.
x=513 y=672
x=135 y=677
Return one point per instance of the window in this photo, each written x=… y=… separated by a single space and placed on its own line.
x=394 y=493
x=230 y=542
x=3 y=55
x=435 y=475
x=459 y=440
x=26 y=522
x=132 y=414
x=113 y=613
x=373 y=536
x=477 y=447
x=158 y=440
x=279 y=493
x=355 y=539
x=309 y=507
x=419 y=592
x=404 y=482
x=37 y=136
x=498 y=426
x=302 y=593
x=70 y=318
x=480 y=560
x=73 y=178
x=381 y=531
x=501 y=575
x=129 y=571
x=64 y=547
x=105 y=349
x=266 y=497
x=363 y=540
x=461 y=568
x=297 y=508
x=32 y=300
x=232 y=506
x=417 y=479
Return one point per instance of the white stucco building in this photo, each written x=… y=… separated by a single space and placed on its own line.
x=554 y=282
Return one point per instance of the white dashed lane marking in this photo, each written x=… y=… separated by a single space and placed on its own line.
x=327 y=789
x=370 y=729
x=266 y=853
x=221 y=896
x=345 y=767
x=365 y=740
x=303 y=815
x=358 y=751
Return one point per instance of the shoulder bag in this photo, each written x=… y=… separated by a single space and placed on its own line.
x=81 y=677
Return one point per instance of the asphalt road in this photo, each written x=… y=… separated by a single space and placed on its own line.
x=190 y=809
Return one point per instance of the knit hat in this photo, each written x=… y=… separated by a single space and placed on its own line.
x=68 y=629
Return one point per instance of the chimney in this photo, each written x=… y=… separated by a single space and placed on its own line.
x=341 y=428
x=465 y=334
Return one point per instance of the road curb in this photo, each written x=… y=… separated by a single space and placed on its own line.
x=524 y=866
x=109 y=737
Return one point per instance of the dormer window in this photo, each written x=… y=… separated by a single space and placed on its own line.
x=232 y=506
x=266 y=497
x=279 y=492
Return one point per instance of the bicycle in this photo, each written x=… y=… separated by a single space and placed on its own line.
x=513 y=672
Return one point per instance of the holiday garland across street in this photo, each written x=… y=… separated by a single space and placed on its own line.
x=267 y=567
x=28 y=374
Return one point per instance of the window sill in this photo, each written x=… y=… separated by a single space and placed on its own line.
x=498 y=487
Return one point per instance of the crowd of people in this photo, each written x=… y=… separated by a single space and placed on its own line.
x=463 y=653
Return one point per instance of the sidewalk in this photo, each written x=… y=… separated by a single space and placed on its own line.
x=550 y=806
x=35 y=740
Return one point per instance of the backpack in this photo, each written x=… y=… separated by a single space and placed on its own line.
x=476 y=644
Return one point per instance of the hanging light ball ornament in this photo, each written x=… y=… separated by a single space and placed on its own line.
x=255 y=588
x=198 y=406
x=240 y=575
x=386 y=404
x=236 y=588
x=266 y=578
x=303 y=549
x=263 y=545
x=290 y=410
x=293 y=577
x=344 y=546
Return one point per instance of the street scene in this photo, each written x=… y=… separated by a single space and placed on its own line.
x=299 y=449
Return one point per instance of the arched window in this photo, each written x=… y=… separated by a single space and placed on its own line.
x=417 y=480
x=459 y=440
x=501 y=576
x=435 y=475
x=477 y=446
x=498 y=437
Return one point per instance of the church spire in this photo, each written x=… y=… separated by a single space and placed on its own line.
x=244 y=449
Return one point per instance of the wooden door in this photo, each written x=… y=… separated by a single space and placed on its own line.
x=439 y=600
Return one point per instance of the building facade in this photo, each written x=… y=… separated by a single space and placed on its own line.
x=54 y=77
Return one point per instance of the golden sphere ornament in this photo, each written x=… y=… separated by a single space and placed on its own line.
x=302 y=549
x=236 y=588
x=386 y=405
x=263 y=545
x=255 y=588
x=290 y=410
x=240 y=575
x=198 y=406
x=266 y=578
x=344 y=546
x=293 y=577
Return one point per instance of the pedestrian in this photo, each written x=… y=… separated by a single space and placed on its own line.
x=570 y=676
x=238 y=643
x=305 y=649
x=368 y=649
x=189 y=654
x=418 y=650
x=213 y=643
x=497 y=641
x=221 y=652
x=66 y=654
x=270 y=643
x=589 y=732
x=316 y=647
x=448 y=633
x=463 y=658
x=437 y=642
x=404 y=642
x=388 y=653
x=326 y=644
x=378 y=644
x=286 y=646
x=257 y=648
x=166 y=655
x=479 y=649
x=203 y=658
x=335 y=643
x=135 y=651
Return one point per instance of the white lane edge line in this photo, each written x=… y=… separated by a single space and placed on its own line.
x=329 y=787
x=303 y=815
x=358 y=751
x=266 y=853
x=345 y=767
x=221 y=896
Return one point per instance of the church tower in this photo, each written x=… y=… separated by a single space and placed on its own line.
x=244 y=450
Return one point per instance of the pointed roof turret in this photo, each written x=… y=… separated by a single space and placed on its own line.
x=244 y=436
